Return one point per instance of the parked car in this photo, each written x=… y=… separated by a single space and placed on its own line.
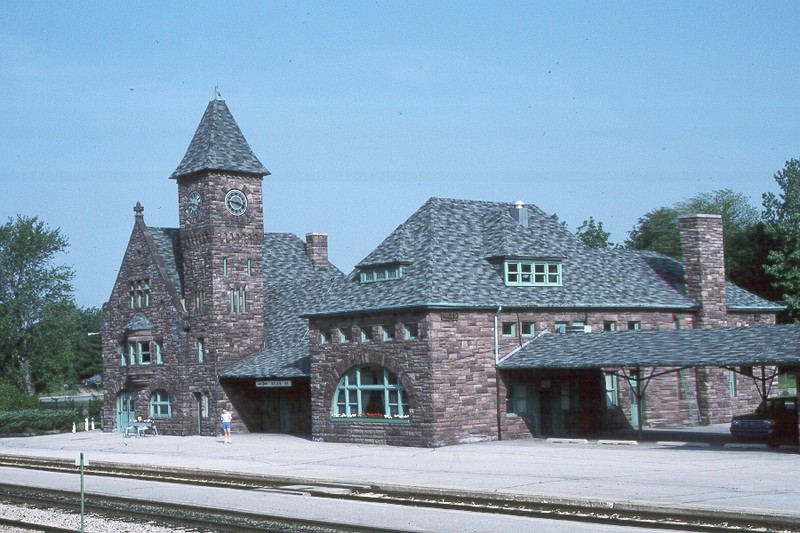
x=774 y=421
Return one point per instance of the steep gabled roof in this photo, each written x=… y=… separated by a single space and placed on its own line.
x=218 y=144
x=291 y=285
x=452 y=255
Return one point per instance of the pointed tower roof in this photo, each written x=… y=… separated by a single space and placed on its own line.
x=218 y=144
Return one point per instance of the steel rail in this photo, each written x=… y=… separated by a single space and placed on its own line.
x=191 y=517
x=575 y=509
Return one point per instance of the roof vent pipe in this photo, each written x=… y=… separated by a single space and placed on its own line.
x=520 y=213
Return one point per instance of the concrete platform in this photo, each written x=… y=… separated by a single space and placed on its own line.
x=697 y=477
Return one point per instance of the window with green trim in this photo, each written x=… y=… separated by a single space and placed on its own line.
x=366 y=334
x=388 y=332
x=412 y=331
x=159 y=356
x=139 y=352
x=370 y=392
x=201 y=350
x=324 y=336
x=385 y=273
x=237 y=300
x=528 y=329
x=509 y=329
x=532 y=273
x=140 y=293
x=160 y=404
x=345 y=335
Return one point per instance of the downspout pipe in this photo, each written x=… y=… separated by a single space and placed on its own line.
x=497 y=373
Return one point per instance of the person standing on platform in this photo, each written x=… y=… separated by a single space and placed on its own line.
x=226 y=425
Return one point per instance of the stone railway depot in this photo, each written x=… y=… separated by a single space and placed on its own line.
x=471 y=321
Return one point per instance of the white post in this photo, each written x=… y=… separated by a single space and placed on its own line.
x=86 y=424
x=73 y=427
x=92 y=423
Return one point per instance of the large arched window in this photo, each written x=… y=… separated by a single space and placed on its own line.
x=370 y=392
x=160 y=404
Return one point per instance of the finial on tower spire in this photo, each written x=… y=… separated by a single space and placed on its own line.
x=217 y=94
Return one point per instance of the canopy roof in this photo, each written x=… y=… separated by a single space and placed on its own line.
x=744 y=346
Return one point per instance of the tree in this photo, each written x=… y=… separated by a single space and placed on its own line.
x=593 y=235
x=657 y=231
x=88 y=352
x=782 y=220
x=35 y=305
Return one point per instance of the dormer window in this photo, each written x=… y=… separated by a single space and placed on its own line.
x=382 y=273
x=532 y=273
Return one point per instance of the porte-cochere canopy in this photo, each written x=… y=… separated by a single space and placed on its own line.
x=721 y=347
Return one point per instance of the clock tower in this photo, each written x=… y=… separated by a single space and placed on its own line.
x=222 y=242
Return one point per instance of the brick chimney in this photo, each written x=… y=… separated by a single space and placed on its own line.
x=704 y=268
x=317 y=249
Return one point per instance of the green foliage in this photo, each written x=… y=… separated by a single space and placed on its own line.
x=657 y=231
x=593 y=235
x=86 y=343
x=36 y=309
x=12 y=398
x=38 y=420
x=782 y=220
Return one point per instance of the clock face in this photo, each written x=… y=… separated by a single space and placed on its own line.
x=193 y=202
x=236 y=202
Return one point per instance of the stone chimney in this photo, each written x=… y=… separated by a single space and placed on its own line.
x=704 y=268
x=317 y=249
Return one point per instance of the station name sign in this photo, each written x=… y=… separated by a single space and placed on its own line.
x=265 y=384
x=449 y=315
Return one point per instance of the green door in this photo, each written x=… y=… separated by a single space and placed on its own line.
x=126 y=412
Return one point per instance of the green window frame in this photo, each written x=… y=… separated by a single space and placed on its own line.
x=509 y=329
x=528 y=329
x=160 y=404
x=237 y=300
x=609 y=325
x=366 y=334
x=159 y=357
x=389 y=333
x=140 y=293
x=139 y=352
x=634 y=325
x=345 y=335
x=324 y=336
x=370 y=392
x=201 y=349
x=532 y=273
x=224 y=266
x=561 y=327
x=411 y=331
x=612 y=390
x=388 y=273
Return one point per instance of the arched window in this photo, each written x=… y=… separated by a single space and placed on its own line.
x=160 y=404
x=370 y=392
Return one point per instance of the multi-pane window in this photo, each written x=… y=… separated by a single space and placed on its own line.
x=201 y=350
x=366 y=334
x=411 y=331
x=528 y=329
x=140 y=293
x=139 y=352
x=345 y=335
x=612 y=391
x=381 y=274
x=532 y=273
x=370 y=392
x=160 y=404
x=237 y=301
x=388 y=332
x=509 y=329
x=517 y=399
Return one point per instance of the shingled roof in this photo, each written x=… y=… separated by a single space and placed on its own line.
x=291 y=285
x=218 y=144
x=452 y=253
x=758 y=345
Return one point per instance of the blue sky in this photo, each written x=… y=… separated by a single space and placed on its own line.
x=364 y=110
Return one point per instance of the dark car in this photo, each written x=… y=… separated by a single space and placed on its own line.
x=774 y=422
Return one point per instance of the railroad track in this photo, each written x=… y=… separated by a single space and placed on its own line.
x=605 y=512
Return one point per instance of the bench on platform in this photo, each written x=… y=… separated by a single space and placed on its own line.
x=140 y=429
